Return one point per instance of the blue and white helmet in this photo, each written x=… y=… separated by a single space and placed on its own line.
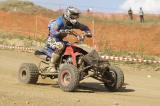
x=71 y=14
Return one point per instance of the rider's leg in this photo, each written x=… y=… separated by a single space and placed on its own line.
x=54 y=59
x=59 y=46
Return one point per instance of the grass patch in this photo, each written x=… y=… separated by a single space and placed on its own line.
x=138 y=55
x=137 y=66
x=8 y=38
x=148 y=20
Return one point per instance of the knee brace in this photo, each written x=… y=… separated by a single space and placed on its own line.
x=59 y=47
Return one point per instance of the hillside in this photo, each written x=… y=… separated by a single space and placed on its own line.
x=26 y=7
x=113 y=32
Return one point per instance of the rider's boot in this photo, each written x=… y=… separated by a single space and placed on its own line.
x=53 y=61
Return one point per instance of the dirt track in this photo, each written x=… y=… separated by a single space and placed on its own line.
x=141 y=89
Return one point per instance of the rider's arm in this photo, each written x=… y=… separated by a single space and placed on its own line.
x=84 y=28
x=54 y=27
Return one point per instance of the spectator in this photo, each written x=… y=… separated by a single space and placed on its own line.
x=130 y=13
x=141 y=15
x=89 y=10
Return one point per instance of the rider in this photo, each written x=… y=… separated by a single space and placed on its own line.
x=57 y=31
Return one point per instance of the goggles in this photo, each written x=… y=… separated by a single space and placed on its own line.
x=74 y=16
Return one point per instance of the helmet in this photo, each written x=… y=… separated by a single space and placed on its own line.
x=71 y=14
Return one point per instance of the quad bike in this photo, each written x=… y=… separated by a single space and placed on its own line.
x=78 y=61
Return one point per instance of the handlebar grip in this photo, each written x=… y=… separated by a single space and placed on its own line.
x=89 y=36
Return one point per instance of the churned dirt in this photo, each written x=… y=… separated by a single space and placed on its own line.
x=142 y=87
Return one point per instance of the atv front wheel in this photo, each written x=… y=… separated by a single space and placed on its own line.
x=68 y=78
x=115 y=77
x=28 y=73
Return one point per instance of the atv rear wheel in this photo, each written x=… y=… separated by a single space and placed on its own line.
x=68 y=78
x=28 y=73
x=116 y=78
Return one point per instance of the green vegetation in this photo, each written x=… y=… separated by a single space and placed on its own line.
x=136 y=65
x=139 y=54
x=8 y=38
x=128 y=22
x=149 y=20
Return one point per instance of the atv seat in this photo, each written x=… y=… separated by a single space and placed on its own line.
x=44 y=53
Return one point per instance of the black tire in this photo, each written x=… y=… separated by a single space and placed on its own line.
x=28 y=73
x=117 y=77
x=68 y=78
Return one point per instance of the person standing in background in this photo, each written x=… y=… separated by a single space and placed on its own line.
x=141 y=15
x=130 y=13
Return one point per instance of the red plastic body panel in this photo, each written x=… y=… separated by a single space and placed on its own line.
x=70 y=52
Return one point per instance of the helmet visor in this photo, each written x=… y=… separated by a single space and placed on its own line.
x=74 y=16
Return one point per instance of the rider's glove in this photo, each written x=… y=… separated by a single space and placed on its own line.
x=80 y=38
x=64 y=31
x=88 y=34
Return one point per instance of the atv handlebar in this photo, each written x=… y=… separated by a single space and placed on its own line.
x=80 y=38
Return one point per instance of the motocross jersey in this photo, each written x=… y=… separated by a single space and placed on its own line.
x=60 y=23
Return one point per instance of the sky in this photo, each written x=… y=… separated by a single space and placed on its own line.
x=96 y=5
x=149 y=6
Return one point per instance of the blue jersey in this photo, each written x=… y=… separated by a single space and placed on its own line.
x=60 y=23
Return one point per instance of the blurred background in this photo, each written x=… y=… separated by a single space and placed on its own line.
x=25 y=22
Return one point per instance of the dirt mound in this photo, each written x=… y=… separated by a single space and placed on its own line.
x=140 y=38
x=23 y=23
